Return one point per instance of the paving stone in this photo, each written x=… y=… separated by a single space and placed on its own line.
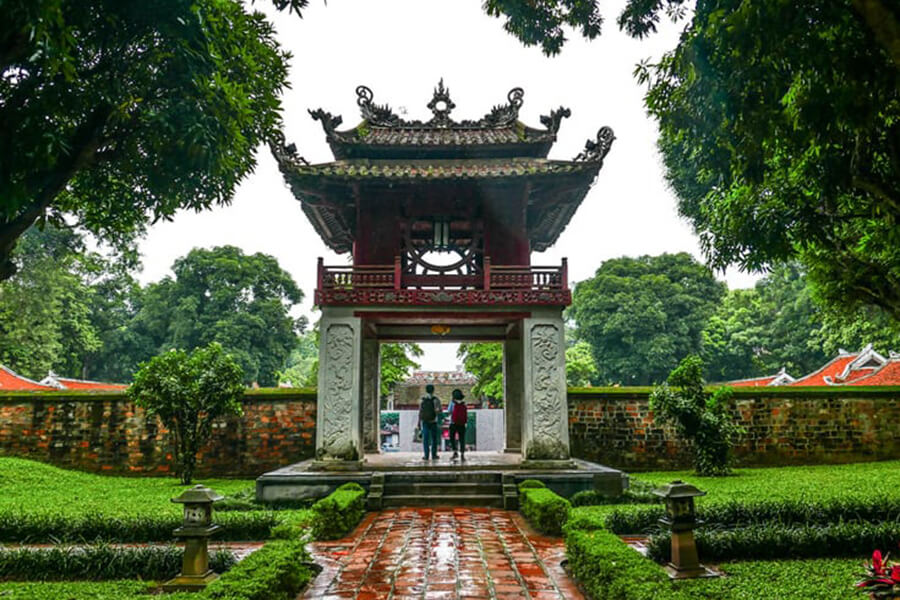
x=435 y=553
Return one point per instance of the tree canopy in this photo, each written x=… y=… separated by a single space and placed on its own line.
x=780 y=132
x=484 y=360
x=642 y=315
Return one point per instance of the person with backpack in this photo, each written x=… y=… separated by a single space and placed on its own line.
x=429 y=409
x=459 y=415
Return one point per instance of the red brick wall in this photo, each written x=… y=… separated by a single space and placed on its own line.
x=108 y=433
x=783 y=426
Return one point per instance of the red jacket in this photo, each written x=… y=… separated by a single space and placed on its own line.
x=460 y=413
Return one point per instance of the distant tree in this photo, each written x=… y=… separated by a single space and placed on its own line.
x=485 y=362
x=301 y=368
x=642 y=315
x=542 y=21
x=580 y=368
x=869 y=325
x=703 y=418
x=396 y=362
x=223 y=295
x=115 y=114
x=189 y=392
x=780 y=132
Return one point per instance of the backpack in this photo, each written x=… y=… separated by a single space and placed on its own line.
x=460 y=413
x=427 y=414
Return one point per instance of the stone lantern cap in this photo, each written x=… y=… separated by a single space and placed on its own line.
x=199 y=494
x=677 y=490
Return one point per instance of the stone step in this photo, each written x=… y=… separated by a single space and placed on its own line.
x=443 y=476
x=482 y=500
x=440 y=488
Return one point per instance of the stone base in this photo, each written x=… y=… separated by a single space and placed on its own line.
x=699 y=572
x=336 y=465
x=189 y=583
x=551 y=465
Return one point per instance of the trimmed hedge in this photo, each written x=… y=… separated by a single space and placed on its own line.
x=277 y=571
x=339 y=512
x=36 y=527
x=98 y=563
x=784 y=512
x=769 y=541
x=545 y=510
x=531 y=484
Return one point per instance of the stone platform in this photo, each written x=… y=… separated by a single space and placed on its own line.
x=486 y=479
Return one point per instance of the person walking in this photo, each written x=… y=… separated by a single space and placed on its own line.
x=429 y=409
x=459 y=415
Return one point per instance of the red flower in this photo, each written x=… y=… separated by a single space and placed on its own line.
x=877 y=564
x=895 y=573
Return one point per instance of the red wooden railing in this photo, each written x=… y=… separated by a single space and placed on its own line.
x=494 y=277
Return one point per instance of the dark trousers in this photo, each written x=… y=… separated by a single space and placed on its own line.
x=458 y=432
x=430 y=438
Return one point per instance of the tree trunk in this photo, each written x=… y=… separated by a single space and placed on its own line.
x=884 y=24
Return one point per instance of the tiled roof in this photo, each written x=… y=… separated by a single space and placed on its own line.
x=80 y=384
x=831 y=369
x=755 y=382
x=386 y=136
x=11 y=381
x=437 y=169
x=889 y=374
x=440 y=378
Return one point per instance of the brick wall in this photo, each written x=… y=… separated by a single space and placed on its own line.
x=783 y=426
x=108 y=433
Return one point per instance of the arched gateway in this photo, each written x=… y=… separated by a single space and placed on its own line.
x=441 y=218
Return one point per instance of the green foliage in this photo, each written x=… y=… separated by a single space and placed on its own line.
x=188 y=393
x=542 y=22
x=485 y=362
x=338 y=513
x=703 y=418
x=778 y=125
x=302 y=365
x=278 y=571
x=531 y=484
x=642 y=315
x=118 y=113
x=82 y=590
x=396 y=362
x=580 y=367
x=544 y=509
x=97 y=563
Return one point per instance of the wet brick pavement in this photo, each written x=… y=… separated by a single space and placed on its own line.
x=452 y=553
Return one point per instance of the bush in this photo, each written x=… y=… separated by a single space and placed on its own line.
x=278 y=571
x=338 y=513
x=703 y=418
x=531 y=484
x=769 y=541
x=544 y=509
x=785 y=512
x=97 y=563
x=584 y=519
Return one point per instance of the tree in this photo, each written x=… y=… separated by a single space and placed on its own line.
x=580 y=368
x=780 y=132
x=188 y=392
x=542 y=21
x=703 y=418
x=484 y=360
x=301 y=368
x=642 y=315
x=396 y=361
x=46 y=309
x=222 y=295
x=115 y=113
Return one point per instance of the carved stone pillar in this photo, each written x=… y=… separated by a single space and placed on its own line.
x=338 y=440
x=545 y=435
x=513 y=387
x=371 y=400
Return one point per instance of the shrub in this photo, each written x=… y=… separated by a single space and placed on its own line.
x=544 y=509
x=339 y=512
x=278 y=571
x=584 y=519
x=531 y=484
x=97 y=563
x=770 y=541
x=703 y=418
x=188 y=393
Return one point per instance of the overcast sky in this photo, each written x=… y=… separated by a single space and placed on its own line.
x=400 y=48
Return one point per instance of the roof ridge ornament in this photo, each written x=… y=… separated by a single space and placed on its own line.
x=596 y=151
x=375 y=114
x=503 y=115
x=441 y=105
x=554 y=119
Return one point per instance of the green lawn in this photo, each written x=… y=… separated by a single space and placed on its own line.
x=79 y=590
x=825 y=482
x=34 y=487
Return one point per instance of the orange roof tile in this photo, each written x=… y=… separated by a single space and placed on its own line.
x=11 y=381
x=755 y=382
x=80 y=384
x=889 y=374
x=832 y=369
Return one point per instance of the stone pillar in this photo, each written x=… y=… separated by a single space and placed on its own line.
x=371 y=400
x=545 y=418
x=338 y=440
x=513 y=387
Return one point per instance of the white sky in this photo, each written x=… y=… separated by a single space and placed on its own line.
x=400 y=48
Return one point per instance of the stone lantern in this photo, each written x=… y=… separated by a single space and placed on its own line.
x=681 y=519
x=195 y=530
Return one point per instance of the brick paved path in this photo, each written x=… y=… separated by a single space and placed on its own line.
x=453 y=553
